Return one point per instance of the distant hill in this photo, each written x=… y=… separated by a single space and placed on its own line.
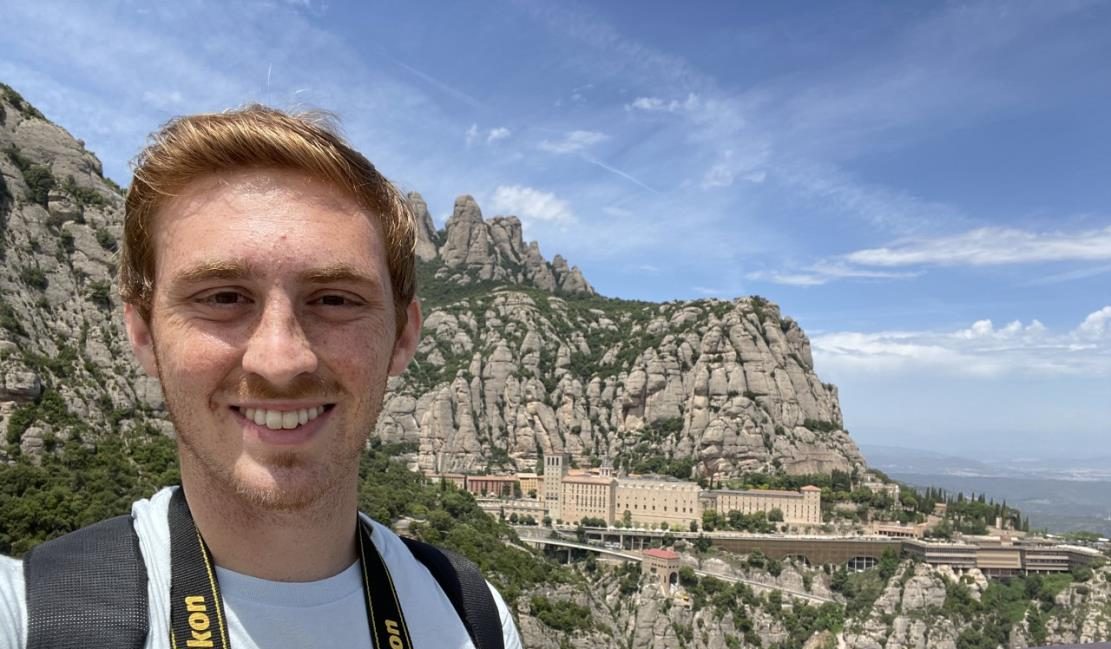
x=897 y=459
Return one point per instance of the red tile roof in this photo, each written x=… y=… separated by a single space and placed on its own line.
x=661 y=554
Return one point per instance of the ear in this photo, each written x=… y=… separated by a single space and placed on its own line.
x=142 y=343
x=406 y=344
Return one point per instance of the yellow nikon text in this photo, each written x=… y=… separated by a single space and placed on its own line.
x=395 y=635
x=198 y=622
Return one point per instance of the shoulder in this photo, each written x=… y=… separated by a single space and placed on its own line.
x=511 y=637
x=410 y=571
x=13 y=606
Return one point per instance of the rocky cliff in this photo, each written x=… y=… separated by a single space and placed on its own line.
x=520 y=356
x=916 y=607
x=504 y=377
x=65 y=367
x=472 y=250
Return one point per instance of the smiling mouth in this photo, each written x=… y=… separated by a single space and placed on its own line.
x=282 y=419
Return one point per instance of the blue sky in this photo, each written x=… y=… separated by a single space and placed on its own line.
x=924 y=186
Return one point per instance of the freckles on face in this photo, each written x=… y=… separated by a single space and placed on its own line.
x=269 y=276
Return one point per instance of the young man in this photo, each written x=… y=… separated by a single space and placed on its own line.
x=267 y=271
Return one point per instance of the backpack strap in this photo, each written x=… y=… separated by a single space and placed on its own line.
x=468 y=591
x=88 y=589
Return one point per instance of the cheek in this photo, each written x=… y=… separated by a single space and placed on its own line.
x=191 y=357
x=360 y=347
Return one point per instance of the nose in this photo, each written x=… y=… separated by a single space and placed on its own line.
x=278 y=349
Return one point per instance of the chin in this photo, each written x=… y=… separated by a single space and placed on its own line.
x=282 y=484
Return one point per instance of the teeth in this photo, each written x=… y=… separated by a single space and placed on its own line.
x=282 y=419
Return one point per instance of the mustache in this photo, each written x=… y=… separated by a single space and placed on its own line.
x=313 y=387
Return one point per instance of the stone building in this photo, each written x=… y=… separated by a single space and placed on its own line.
x=530 y=485
x=803 y=507
x=587 y=496
x=570 y=496
x=662 y=566
x=502 y=486
x=655 y=501
x=555 y=467
x=522 y=507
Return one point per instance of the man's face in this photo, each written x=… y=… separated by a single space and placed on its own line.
x=272 y=330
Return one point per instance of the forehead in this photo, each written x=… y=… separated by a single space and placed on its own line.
x=248 y=189
x=265 y=217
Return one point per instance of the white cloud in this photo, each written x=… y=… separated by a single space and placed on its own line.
x=705 y=290
x=655 y=104
x=1070 y=275
x=472 y=134
x=991 y=246
x=980 y=350
x=731 y=165
x=496 y=134
x=1096 y=325
x=719 y=175
x=980 y=247
x=789 y=279
x=825 y=272
x=984 y=329
x=532 y=205
x=573 y=142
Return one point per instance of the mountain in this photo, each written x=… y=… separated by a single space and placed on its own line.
x=472 y=250
x=65 y=364
x=520 y=356
x=505 y=376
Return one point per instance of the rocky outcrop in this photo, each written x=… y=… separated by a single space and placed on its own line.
x=511 y=376
x=911 y=612
x=494 y=251
x=426 y=230
x=61 y=338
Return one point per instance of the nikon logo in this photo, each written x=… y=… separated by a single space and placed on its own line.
x=395 y=635
x=198 y=622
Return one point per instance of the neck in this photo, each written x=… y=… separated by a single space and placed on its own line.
x=307 y=544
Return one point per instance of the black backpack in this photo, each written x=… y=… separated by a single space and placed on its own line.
x=89 y=589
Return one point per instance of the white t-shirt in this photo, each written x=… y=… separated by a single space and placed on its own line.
x=265 y=614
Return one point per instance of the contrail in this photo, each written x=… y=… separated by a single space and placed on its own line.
x=618 y=172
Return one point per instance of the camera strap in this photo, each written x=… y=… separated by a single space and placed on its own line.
x=197 y=619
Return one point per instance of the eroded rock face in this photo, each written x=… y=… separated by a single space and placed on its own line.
x=63 y=340
x=478 y=250
x=515 y=376
x=910 y=613
x=426 y=231
x=18 y=383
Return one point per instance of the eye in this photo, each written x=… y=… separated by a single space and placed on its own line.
x=223 y=298
x=336 y=299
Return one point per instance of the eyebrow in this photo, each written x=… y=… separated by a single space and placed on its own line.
x=214 y=270
x=207 y=271
x=338 y=273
